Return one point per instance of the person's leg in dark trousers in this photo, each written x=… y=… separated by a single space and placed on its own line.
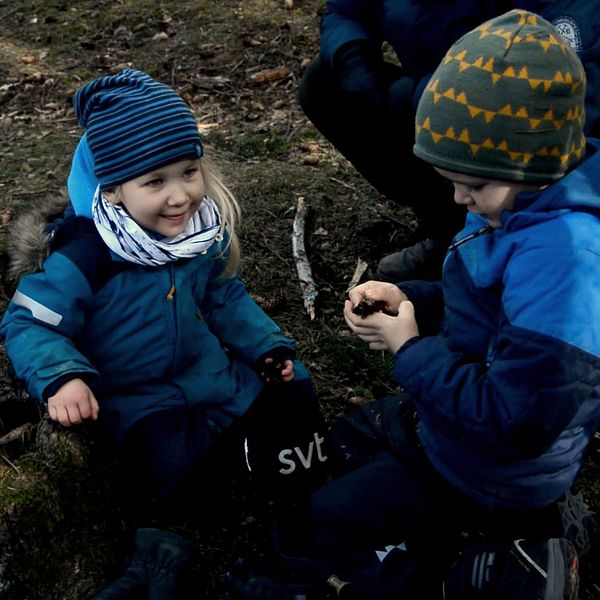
x=373 y=525
x=379 y=144
x=165 y=457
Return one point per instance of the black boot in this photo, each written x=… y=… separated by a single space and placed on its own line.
x=423 y=260
x=158 y=568
x=130 y=585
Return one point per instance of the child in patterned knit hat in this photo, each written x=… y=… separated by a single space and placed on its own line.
x=139 y=321
x=500 y=361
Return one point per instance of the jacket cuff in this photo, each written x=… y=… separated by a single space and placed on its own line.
x=278 y=353
x=53 y=387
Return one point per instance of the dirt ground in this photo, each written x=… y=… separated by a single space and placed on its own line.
x=238 y=64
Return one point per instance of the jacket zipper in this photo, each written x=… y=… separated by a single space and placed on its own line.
x=172 y=302
x=491 y=351
x=471 y=236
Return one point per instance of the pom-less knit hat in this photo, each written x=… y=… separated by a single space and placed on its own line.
x=134 y=124
x=505 y=103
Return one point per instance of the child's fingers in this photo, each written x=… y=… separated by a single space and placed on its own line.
x=406 y=310
x=62 y=416
x=380 y=345
x=52 y=412
x=88 y=409
x=355 y=322
x=59 y=414
x=95 y=408
x=287 y=373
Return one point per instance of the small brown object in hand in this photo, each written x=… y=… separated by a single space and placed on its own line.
x=367 y=307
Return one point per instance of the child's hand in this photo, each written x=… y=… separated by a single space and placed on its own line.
x=73 y=403
x=382 y=331
x=273 y=370
x=374 y=296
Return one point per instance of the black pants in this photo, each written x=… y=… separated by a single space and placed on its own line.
x=389 y=521
x=176 y=461
x=379 y=145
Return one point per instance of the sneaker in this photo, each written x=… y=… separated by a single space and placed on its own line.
x=519 y=570
x=579 y=525
x=423 y=260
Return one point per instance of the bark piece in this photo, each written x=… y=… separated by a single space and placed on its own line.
x=268 y=75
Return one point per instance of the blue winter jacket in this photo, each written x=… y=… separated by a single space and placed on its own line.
x=421 y=31
x=508 y=391
x=144 y=338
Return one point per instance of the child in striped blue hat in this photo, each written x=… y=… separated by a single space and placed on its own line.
x=139 y=321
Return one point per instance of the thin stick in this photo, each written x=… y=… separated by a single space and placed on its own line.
x=361 y=267
x=15 y=434
x=350 y=187
x=307 y=283
x=11 y=464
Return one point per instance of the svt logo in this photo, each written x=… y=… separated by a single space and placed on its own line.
x=288 y=456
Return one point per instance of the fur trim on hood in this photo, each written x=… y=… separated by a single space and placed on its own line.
x=28 y=243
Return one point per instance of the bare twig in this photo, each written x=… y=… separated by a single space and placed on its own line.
x=10 y=464
x=307 y=283
x=361 y=267
x=16 y=433
x=350 y=187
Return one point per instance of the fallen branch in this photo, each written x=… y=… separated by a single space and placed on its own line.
x=361 y=267
x=307 y=283
x=16 y=433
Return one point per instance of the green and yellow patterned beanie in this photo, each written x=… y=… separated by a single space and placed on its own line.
x=506 y=102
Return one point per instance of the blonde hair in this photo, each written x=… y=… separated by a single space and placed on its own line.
x=230 y=213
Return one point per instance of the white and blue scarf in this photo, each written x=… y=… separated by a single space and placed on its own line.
x=130 y=241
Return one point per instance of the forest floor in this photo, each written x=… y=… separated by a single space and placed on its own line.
x=238 y=64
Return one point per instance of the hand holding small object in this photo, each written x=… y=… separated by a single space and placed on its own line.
x=383 y=331
x=274 y=370
x=376 y=296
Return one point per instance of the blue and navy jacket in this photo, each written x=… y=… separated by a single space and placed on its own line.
x=508 y=390
x=144 y=338
x=421 y=31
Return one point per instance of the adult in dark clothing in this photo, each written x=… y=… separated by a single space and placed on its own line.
x=352 y=85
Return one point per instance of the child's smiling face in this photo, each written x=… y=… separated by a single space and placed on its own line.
x=165 y=199
x=486 y=197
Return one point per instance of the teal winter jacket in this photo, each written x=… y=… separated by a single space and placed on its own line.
x=144 y=338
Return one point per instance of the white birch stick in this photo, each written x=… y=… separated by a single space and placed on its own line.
x=307 y=283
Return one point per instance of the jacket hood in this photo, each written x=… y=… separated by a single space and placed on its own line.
x=28 y=244
x=578 y=190
x=82 y=181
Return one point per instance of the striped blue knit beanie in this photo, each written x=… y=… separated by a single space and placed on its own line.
x=134 y=124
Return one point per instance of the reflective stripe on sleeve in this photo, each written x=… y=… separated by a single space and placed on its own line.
x=39 y=311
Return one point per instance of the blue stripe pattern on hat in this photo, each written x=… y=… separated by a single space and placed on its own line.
x=134 y=124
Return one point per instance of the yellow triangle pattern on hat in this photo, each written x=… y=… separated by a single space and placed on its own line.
x=575 y=114
x=507 y=101
x=574 y=151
